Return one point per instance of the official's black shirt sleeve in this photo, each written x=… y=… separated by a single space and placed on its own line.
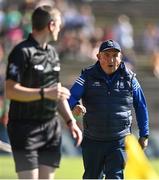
x=16 y=65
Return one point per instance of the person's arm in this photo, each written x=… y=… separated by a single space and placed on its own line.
x=17 y=61
x=15 y=91
x=141 y=111
x=76 y=91
x=65 y=111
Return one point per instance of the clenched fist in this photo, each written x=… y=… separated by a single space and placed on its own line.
x=57 y=92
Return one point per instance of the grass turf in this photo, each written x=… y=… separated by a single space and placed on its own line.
x=71 y=168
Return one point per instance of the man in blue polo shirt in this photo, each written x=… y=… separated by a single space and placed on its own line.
x=109 y=91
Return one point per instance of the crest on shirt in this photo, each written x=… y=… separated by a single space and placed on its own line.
x=121 y=85
x=96 y=83
x=13 y=69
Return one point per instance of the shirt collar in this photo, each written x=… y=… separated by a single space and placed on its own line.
x=31 y=38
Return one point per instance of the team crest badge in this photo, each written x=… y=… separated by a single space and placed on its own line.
x=110 y=43
x=121 y=86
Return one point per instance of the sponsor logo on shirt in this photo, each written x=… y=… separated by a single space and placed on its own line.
x=39 y=67
x=96 y=84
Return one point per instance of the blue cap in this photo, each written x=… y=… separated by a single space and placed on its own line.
x=109 y=44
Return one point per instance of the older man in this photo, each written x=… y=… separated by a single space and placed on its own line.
x=108 y=90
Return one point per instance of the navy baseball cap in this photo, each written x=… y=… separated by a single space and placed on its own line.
x=109 y=44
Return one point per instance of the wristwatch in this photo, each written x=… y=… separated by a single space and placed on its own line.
x=146 y=136
x=41 y=92
x=69 y=122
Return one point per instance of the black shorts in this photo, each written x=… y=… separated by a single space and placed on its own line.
x=35 y=143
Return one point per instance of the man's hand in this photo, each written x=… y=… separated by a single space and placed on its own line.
x=79 y=110
x=143 y=141
x=57 y=92
x=75 y=131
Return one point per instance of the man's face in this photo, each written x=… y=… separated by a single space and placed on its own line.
x=109 y=60
x=56 y=28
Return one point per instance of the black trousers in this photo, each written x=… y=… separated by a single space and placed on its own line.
x=103 y=158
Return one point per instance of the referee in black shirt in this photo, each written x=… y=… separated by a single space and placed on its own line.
x=32 y=85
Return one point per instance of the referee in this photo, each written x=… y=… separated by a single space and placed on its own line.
x=32 y=85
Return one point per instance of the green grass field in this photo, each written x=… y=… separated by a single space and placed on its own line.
x=71 y=168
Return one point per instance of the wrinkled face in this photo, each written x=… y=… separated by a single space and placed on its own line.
x=55 y=27
x=109 y=60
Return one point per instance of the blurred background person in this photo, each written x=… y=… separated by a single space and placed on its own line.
x=123 y=33
x=151 y=46
x=4 y=104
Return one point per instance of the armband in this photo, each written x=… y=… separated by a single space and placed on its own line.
x=69 y=122
x=41 y=92
x=146 y=136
